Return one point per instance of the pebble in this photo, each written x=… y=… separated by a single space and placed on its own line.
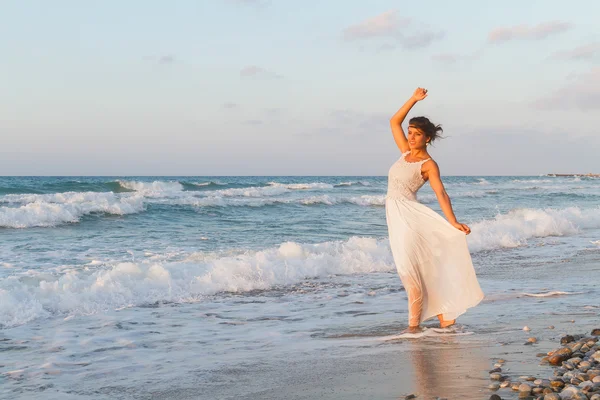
x=596 y=379
x=528 y=378
x=505 y=384
x=595 y=397
x=557 y=383
x=496 y=376
x=551 y=327
x=537 y=390
x=532 y=340
x=560 y=355
x=586 y=384
x=524 y=387
x=567 y=339
x=494 y=386
x=595 y=332
x=526 y=328
x=552 y=396
x=495 y=397
x=410 y=396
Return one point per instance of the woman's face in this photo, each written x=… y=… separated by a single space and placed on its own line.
x=416 y=138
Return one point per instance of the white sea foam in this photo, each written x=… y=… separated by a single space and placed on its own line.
x=97 y=287
x=150 y=189
x=302 y=186
x=87 y=291
x=514 y=228
x=351 y=183
x=208 y=183
x=550 y=294
x=252 y=191
x=364 y=200
x=59 y=208
x=533 y=180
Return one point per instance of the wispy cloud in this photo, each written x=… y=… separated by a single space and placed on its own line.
x=164 y=59
x=229 y=105
x=390 y=25
x=587 y=52
x=167 y=59
x=252 y=71
x=526 y=32
x=387 y=24
x=581 y=94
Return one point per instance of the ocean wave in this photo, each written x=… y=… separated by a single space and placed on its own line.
x=59 y=208
x=514 y=228
x=533 y=180
x=150 y=189
x=353 y=183
x=364 y=200
x=202 y=185
x=87 y=291
x=302 y=186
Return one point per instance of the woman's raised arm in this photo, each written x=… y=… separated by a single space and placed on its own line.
x=398 y=118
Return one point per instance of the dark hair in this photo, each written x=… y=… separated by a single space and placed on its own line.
x=427 y=127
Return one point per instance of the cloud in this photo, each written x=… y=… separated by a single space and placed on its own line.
x=164 y=59
x=587 y=52
x=422 y=39
x=389 y=25
x=254 y=122
x=582 y=94
x=230 y=105
x=452 y=58
x=537 y=32
x=384 y=25
x=252 y=71
x=167 y=59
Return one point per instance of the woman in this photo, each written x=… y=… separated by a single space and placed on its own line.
x=430 y=253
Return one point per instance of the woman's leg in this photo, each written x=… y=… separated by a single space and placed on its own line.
x=415 y=303
x=444 y=323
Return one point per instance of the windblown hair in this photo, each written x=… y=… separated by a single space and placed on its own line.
x=427 y=127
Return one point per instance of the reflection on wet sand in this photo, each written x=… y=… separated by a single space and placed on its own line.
x=447 y=368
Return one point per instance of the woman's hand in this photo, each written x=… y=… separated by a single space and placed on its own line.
x=462 y=227
x=419 y=94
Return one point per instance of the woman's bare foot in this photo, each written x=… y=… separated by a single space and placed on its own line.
x=413 y=329
x=446 y=324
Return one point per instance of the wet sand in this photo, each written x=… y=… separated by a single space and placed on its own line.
x=452 y=367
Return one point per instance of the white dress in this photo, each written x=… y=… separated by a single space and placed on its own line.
x=431 y=255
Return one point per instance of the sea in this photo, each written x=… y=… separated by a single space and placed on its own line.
x=116 y=287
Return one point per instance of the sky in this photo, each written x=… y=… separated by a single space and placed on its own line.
x=290 y=87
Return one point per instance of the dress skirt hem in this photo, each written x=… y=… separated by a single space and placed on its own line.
x=432 y=260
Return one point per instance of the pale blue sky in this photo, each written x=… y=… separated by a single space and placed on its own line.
x=243 y=87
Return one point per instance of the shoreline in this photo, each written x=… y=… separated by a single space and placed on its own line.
x=445 y=367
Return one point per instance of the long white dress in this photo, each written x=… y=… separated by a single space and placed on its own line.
x=431 y=255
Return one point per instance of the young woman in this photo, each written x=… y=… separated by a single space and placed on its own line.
x=430 y=253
